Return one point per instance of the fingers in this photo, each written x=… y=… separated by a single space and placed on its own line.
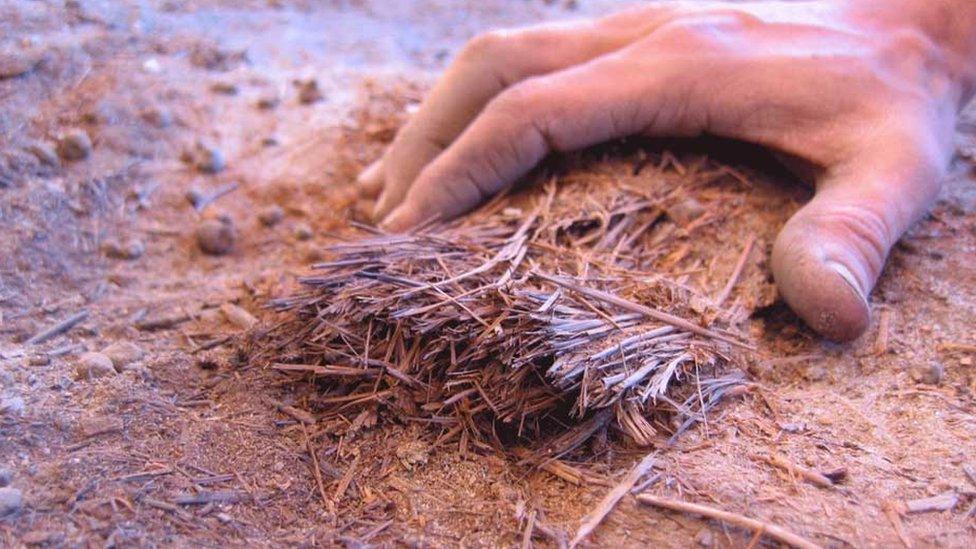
x=370 y=180
x=488 y=65
x=563 y=111
x=829 y=255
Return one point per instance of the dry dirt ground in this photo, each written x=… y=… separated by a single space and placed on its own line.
x=181 y=448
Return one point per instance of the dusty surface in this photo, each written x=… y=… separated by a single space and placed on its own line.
x=118 y=459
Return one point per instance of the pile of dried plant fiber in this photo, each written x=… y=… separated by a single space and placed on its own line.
x=545 y=317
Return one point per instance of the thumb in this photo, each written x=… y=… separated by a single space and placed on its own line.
x=829 y=255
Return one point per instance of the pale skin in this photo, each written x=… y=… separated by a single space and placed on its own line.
x=867 y=91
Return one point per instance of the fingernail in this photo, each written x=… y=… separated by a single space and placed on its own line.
x=397 y=220
x=849 y=278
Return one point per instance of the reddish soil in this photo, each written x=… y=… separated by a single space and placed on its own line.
x=111 y=461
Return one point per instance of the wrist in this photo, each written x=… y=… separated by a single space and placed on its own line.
x=950 y=25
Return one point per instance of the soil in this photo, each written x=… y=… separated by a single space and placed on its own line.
x=185 y=447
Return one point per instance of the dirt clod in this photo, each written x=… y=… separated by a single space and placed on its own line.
x=74 y=145
x=268 y=102
x=11 y=500
x=127 y=250
x=271 y=216
x=686 y=211
x=206 y=158
x=122 y=354
x=224 y=88
x=216 y=236
x=303 y=232
x=158 y=117
x=308 y=91
x=6 y=477
x=93 y=366
x=929 y=374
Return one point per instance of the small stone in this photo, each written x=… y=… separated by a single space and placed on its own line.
x=122 y=354
x=93 y=365
x=686 y=211
x=270 y=141
x=238 y=316
x=271 y=216
x=966 y=361
x=929 y=374
x=303 y=232
x=313 y=254
x=11 y=500
x=704 y=538
x=12 y=406
x=15 y=63
x=216 y=236
x=74 y=145
x=6 y=477
x=158 y=117
x=308 y=91
x=128 y=250
x=206 y=158
x=45 y=153
x=268 y=102
x=194 y=197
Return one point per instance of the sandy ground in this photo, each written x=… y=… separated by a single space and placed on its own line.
x=186 y=447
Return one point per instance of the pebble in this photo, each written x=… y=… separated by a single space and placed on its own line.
x=11 y=500
x=74 y=145
x=216 y=236
x=238 y=316
x=206 y=158
x=122 y=354
x=194 y=197
x=93 y=365
x=271 y=216
x=270 y=141
x=686 y=211
x=308 y=91
x=44 y=152
x=128 y=250
x=6 y=477
x=929 y=374
x=303 y=232
x=158 y=117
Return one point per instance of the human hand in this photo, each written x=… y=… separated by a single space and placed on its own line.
x=868 y=94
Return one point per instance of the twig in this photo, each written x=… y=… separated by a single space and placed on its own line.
x=881 y=344
x=346 y=479
x=201 y=201
x=941 y=502
x=810 y=475
x=970 y=472
x=219 y=496
x=166 y=506
x=301 y=415
x=315 y=465
x=596 y=516
x=736 y=272
x=162 y=323
x=891 y=511
x=776 y=532
x=59 y=328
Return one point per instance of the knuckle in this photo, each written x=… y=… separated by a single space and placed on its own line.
x=869 y=231
x=487 y=45
x=520 y=100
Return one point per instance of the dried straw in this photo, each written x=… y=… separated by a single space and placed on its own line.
x=544 y=323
